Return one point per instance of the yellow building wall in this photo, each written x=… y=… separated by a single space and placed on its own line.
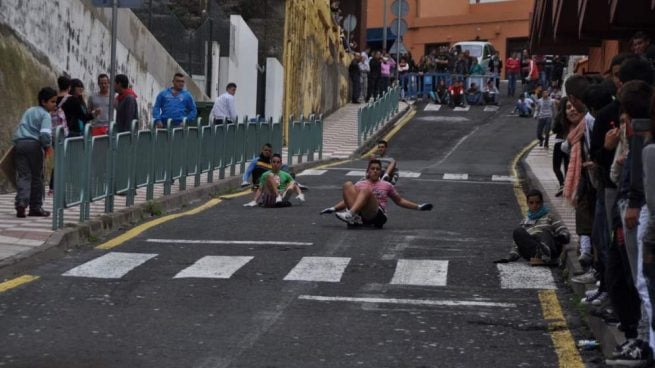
x=315 y=62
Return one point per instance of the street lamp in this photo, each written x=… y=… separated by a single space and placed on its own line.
x=210 y=43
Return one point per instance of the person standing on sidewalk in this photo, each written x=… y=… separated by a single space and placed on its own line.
x=224 y=110
x=560 y=158
x=76 y=110
x=374 y=75
x=355 y=79
x=174 y=103
x=100 y=100
x=513 y=72
x=363 y=74
x=127 y=109
x=544 y=116
x=32 y=138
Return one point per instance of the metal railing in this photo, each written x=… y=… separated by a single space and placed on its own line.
x=371 y=116
x=416 y=85
x=94 y=168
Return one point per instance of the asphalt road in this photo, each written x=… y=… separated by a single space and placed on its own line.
x=422 y=292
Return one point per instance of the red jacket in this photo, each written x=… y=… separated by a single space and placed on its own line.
x=513 y=65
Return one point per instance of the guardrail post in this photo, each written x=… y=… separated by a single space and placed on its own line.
x=131 y=178
x=59 y=172
x=111 y=171
x=85 y=205
x=168 y=175
x=150 y=189
x=290 y=141
x=212 y=150
x=199 y=130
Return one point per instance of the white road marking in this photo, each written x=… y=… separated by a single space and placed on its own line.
x=112 y=265
x=409 y=174
x=237 y=242
x=448 y=176
x=423 y=302
x=523 y=276
x=432 y=107
x=421 y=272
x=502 y=178
x=214 y=267
x=443 y=119
x=356 y=173
x=491 y=108
x=326 y=269
x=312 y=172
x=465 y=108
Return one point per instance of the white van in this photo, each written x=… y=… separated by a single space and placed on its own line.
x=479 y=49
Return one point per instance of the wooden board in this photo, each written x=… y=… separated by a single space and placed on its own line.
x=8 y=166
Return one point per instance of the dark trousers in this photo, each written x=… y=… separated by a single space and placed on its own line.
x=543 y=130
x=621 y=289
x=560 y=158
x=357 y=88
x=600 y=237
x=29 y=174
x=374 y=83
x=535 y=246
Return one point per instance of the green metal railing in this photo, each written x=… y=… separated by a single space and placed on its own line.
x=90 y=169
x=371 y=116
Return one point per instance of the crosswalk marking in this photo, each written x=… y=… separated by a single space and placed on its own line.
x=356 y=173
x=449 y=176
x=423 y=302
x=313 y=172
x=491 y=108
x=219 y=242
x=432 y=107
x=459 y=108
x=326 y=269
x=501 y=178
x=420 y=272
x=112 y=265
x=523 y=276
x=214 y=267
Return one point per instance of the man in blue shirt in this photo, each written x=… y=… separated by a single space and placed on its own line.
x=174 y=103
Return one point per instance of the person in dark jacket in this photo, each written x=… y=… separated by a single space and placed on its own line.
x=126 y=106
x=355 y=75
x=77 y=113
x=374 y=75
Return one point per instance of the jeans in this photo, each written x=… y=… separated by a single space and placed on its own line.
x=356 y=88
x=29 y=174
x=511 y=83
x=543 y=130
x=559 y=158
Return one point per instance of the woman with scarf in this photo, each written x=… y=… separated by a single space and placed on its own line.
x=77 y=113
x=540 y=237
x=578 y=190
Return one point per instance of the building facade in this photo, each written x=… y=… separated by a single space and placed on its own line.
x=434 y=23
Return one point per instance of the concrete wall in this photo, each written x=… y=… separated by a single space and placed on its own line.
x=240 y=67
x=75 y=38
x=274 y=89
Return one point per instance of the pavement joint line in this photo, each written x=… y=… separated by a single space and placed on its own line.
x=565 y=348
x=423 y=302
x=16 y=282
x=238 y=242
x=134 y=232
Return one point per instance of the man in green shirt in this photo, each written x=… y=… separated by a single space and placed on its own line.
x=275 y=187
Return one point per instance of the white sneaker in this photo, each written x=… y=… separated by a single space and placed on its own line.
x=346 y=217
x=245 y=183
x=250 y=204
x=301 y=198
x=591 y=292
x=588 y=277
x=278 y=199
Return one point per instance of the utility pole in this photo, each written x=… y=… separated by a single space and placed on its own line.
x=384 y=26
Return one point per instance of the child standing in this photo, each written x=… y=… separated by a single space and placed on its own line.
x=31 y=139
x=544 y=116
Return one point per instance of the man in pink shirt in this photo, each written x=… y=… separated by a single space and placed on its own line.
x=365 y=203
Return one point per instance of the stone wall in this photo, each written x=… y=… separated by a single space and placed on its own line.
x=315 y=63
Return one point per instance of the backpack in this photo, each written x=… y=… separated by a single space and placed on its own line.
x=58 y=117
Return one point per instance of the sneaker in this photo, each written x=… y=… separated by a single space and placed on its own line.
x=250 y=204
x=585 y=259
x=596 y=299
x=278 y=199
x=245 y=183
x=303 y=188
x=39 y=212
x=591 y=292
x=347 y=217
x=605 y=313
x=636 y=354
x=20 y=212
x=588 y=277
x=560 y=191
x=300 y=198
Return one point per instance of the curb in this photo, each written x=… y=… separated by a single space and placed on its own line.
x=372 y=140
x=608 y=336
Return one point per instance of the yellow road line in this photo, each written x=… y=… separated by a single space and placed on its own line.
x=132 y=233
x=567 y=353
x=18 y=281
x=395 y=130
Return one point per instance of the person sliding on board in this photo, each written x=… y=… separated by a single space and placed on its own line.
x=365 y=202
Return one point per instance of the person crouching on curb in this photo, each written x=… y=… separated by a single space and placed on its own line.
x=32 y=139
x=540 y=237
x=365 y=203
x=275 y=187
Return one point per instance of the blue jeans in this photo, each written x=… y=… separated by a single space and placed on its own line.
x=511 y=84
x=543 y=130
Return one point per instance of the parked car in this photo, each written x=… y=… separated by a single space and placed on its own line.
x=479 y=49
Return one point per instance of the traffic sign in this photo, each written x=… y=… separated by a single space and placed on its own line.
x=121 y=3
x=397 y=30
x=400 y=8
x=394 y=48
x=349 y=23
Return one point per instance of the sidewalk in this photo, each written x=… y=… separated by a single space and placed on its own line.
x=539 y=168
x=21 y=238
